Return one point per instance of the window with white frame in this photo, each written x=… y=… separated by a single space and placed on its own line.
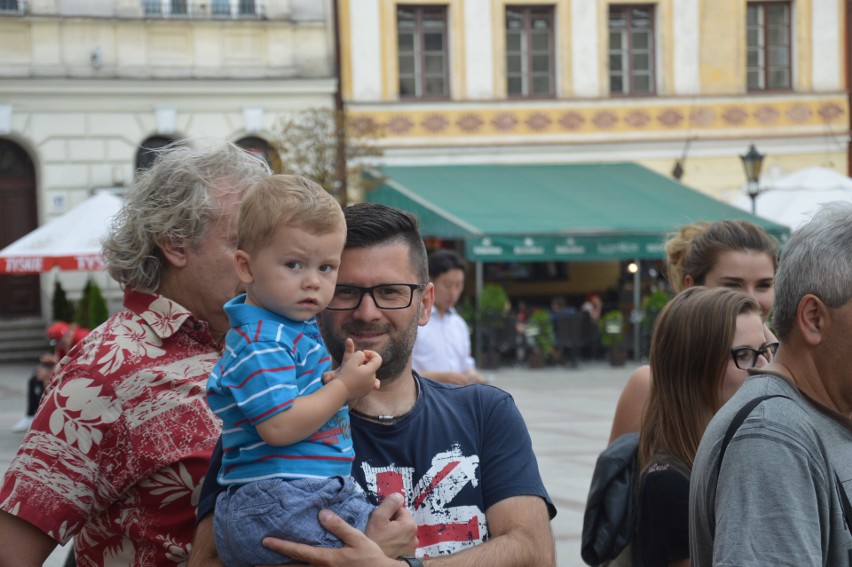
x=233 y=8
x=12 y=6
x=529 y=51
x=195 y=8
x=631 y=49
x=768 y=38
x=423 y=52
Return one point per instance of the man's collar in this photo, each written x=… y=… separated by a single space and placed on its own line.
x=163 y=315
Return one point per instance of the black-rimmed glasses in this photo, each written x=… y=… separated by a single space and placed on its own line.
x=746 y=357
x=385 y=296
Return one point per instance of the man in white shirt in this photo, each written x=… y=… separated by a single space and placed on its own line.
x=442 y=349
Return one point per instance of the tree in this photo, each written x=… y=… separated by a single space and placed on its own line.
x=98 y=311
x=63 y=309
x=308 y=140
x=82 y=315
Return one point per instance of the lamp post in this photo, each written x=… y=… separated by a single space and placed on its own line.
x=752 y=162
x=635 y=268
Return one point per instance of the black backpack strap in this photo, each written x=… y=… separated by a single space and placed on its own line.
x=732 y=430
x=736 y=423
x=844 y=501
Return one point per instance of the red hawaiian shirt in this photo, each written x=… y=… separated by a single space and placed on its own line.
x=122 y=439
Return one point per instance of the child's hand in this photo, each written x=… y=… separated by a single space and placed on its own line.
x=358 y=371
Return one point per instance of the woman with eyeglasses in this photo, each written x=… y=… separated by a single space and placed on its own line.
x=732 y=254
x=703 y=343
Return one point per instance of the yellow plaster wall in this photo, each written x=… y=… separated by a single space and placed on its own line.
x=345 y=24
x=613 y=119
x=719 y=176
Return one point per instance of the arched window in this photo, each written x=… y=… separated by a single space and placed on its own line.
x=149 y=150
x=260 y=147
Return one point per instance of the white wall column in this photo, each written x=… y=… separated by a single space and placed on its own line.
x=584 y=49
x=479 y=54
x=687 y=37
x=366 y=57
x=827 y=45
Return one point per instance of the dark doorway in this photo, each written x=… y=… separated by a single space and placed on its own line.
x=150 y=149
x=19 y=295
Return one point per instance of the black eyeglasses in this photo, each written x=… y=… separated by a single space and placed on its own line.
x=746 y=357
x=385 y=296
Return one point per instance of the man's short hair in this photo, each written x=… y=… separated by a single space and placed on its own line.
x=286 y=200
x=817 y=260
x=374 y=224
x=442 y=261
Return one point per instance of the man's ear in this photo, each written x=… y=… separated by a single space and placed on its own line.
x=175 y=254
x=426 y=300
x=811 y=319
x=243 y=264
x=688 y=281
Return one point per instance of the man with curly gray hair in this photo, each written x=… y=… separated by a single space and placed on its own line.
x=775 y=490
x=122 y=439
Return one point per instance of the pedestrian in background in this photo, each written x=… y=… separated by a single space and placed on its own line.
x=733 y=254
x=704 y=341
x=779 y=495
x=442 y=351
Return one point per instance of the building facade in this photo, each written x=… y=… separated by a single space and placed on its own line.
x=88 y=88
x=666 y=83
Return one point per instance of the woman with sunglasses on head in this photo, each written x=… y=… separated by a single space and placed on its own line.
x=704 y=342
x=733 y=254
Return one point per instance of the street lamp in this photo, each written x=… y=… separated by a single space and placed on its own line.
x=752 y=162
x=634 y=268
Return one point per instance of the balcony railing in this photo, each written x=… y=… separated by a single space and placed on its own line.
x=201 y=8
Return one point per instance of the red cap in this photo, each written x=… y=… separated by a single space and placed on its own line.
x=56 y=330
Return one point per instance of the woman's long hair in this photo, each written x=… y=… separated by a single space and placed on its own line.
x=690 y=349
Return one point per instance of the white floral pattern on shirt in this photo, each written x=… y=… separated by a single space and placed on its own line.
x=121 y=442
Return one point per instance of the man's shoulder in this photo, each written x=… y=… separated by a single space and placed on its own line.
x=476 y=396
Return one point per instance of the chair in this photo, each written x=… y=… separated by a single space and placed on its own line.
x=572 y=332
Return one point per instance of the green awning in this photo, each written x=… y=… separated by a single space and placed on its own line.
x=572 y=212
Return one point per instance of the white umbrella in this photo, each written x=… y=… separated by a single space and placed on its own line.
x=69 y=242
x=793 y=199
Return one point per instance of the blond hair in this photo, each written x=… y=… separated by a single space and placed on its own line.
x=695 y=248
x=286 y=200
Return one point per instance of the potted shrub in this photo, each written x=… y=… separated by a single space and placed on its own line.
x=652 y=304
x=611 y=327
x=540 y=329
x=490 y=318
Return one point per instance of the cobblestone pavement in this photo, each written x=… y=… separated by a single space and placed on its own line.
x=568 y=412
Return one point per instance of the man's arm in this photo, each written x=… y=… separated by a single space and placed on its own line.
x=203 y=552
x=390 y=525
x=21 y=543
x=520 y=536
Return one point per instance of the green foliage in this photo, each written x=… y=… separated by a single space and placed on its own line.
x=307 y=142
x=92 y=308
x=611 y=326
x=98 y=311
x=62 y=309
x=492 y=302
x=540 y=321
x=655 y=301
x=81 y=317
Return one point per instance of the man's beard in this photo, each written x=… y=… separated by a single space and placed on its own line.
x=396 y=354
